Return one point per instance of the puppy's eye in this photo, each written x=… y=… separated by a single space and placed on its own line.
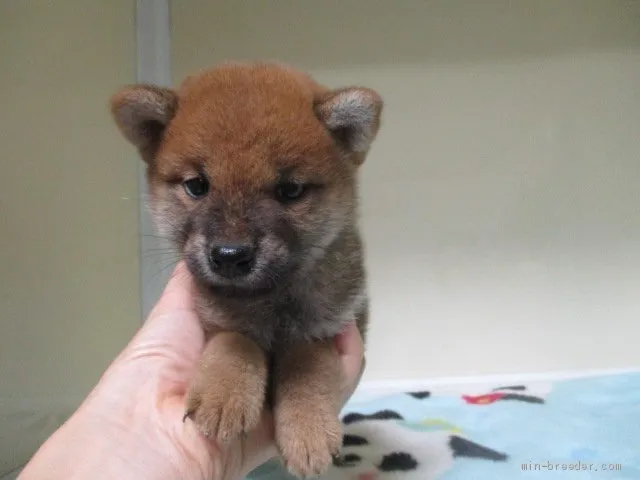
x=290 y=191
x=196 y=187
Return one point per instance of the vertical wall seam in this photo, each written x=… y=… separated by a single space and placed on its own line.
x=153 y=65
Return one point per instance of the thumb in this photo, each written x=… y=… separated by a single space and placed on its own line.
x=178 y=293
x=172 y=329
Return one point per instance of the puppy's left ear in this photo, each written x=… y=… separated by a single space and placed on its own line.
x=352 y=115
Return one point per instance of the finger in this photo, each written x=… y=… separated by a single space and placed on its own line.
x=351 y=349
x=173 y=325
x=178 y=293
x=350 y=346
x=259 y=446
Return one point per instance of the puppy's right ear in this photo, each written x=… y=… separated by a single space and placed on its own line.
x=142 y=113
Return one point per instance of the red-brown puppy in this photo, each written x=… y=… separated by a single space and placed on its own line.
x=252 y=174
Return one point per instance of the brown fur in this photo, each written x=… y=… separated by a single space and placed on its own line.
x=226 y=396
x=306 y=407
x=249 y=129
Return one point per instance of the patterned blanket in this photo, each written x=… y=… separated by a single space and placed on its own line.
x=586 y=428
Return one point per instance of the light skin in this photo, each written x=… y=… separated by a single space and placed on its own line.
x=130 y=426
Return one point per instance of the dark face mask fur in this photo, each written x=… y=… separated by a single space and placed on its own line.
x=252 y=174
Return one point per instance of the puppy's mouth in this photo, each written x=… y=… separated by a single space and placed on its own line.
x=241 y=291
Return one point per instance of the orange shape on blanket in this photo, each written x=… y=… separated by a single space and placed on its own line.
x=482 y=399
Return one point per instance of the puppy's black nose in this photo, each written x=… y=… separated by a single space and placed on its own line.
x=232 y=260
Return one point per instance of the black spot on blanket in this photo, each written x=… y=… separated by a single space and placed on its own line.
x=420 y=395
x=349 y=440
x=465 y=448
x=348 y=460
x=517 y=388
x=522 y=398
x=397 y=462
x=381 y=415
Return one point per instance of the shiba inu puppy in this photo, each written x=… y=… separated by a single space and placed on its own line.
x=252 y=174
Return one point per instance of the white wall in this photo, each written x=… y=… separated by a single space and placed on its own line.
x=69 y=288
x=501 y=201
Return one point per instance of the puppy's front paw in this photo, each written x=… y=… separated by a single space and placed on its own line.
x=228 y=393
x=308 y=440
x=222 y=411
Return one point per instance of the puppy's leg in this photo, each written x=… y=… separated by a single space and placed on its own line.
x=228 y=392
x=307 y=394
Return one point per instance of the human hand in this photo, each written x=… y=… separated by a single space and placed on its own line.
x=130 y=425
